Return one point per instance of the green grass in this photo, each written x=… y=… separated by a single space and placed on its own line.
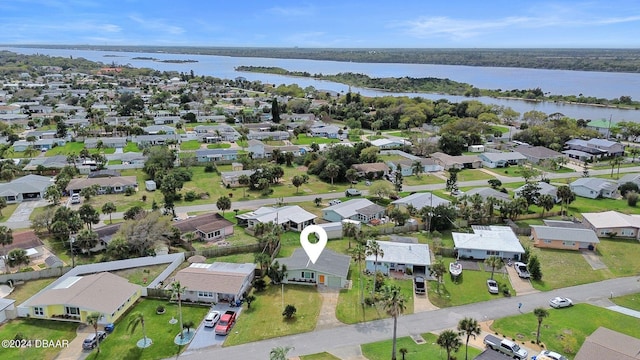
x=423 y=179
x=242 y=143
x=471 y=175
x=68 y=149
x=620 y=256
x=264 y=320
x=381 y=350
x=304 y=139
x=36 y=329
x=319 y=356
x=121 y=344
x=582 y=205
x=139 y=274
x=131 y=147
x=24 y=291
x=8 y=211
x=470 y=288
x=350 y=311
x=631 y=301
x=190 y=145
x=498 y=128
x=114 y=162
x=218 y=146
x=564 y=330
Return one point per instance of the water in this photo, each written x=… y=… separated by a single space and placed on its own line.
x=563 y=82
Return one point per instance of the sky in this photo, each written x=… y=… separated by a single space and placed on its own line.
x=327 y=23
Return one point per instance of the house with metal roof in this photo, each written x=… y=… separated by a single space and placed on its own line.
x=400 y=257
x=564 y=238
x=210 y=155
x=216 y=282
x=362 y=210
x=613 y=223
x=502 y=159
x=594 y=188
x=488 y=241
x=459 y=162
x=7 y=309
x=331 y=269
x=289 y=217
x=420 y=200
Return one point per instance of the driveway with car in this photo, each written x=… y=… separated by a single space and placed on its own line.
x=206 y=336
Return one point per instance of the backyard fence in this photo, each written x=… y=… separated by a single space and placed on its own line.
x=34 y=275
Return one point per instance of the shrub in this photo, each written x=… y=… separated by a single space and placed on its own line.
x=289 y=311
x=259 y=284
x=130 y=191
x=190 y=196
x=209 y=168
x=632 y=198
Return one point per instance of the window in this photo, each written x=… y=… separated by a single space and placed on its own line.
x=38 y=311
x=492 y=252
x=569 y=243
x=205 y=294
x=72 y=310
x=216 y=233
x=547 y=241
x=308 y=275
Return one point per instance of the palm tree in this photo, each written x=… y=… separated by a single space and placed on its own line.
x=6 y=236
x=546 y=202
x=109 y=208
x=373 y=249
x=540 y=314
x=403 y=351
x=495 y=262
x=279 y=353
x=244 y=180
x=349 y=230
x=394 y=304
x=468 y=327
x=137 y=318
x=438 y=269
x=416 y=168
x=449 y=340
x=263 y=259
x=359 y=255
x=92 y=319
x=332 y=171
x=176 y=292
x=566 y=197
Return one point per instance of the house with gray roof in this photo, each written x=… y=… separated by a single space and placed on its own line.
x=211 y=155
x=598 y=147
x=487 y=192
x=49 y=162
x=107 y=142
x=459 y=162
x=30 y=187
x=420 y=200
x=400 y=257
x=327 y=131
x=330 y=270
x=217 y=282
x=488 y=241
x=266 y=135
x=107 y=185
x=564 y=238
x=7 y=309
x=594 y=188
x=231 y=178
x=632 y=178
x=159 y=129
x=406 y=165
x=545 y=189
x=502 y=159
x=390 y=143
x=608 y=344
x=291 y=217
x=151 y=140
x=362 y=210
x=536 y=154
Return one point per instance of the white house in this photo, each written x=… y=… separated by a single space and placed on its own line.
x=420 y=200
x=488 y=241
x=289 y=217
x=400 y=257
x=593 y=188
x=502 y=159
x=389 y=144
x=357 y=209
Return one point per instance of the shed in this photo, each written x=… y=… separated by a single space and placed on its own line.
x=150 y=185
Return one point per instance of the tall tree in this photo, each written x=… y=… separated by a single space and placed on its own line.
x=495 y=262
x=137 y=318
x=417 y=168
x=177 y=290
x=394 y=303
x=223 y=203
x=244 y=180
x=53 y=195
x=359 y=255
x=109 y=208
x=468 y=327
x=86 y=239
x=93 y=319
x=351 y=175
x=449 y=341
x=6 y=236
x=89 y=215
x=546 y=203
x=540 y=314
x=275 y=111
x=333 y=171
x=566 y=197
x=374 y=249
x=438 y=270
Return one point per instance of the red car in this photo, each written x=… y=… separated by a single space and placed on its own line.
x=225 y=323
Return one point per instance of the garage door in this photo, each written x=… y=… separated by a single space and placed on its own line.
x=334 y=281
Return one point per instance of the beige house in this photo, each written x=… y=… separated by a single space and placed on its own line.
x=608 y=344
x=115 y=184
x=564 y=238
x=216 y=282
x=613 y=223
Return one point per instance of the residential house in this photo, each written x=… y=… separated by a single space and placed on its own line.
x=289 y=217
x=407 y=160
x=632 y=178
x=268 y=135
x=537 y=154
x=390 y=143
x=331 y=269
x=40 y=144
x=459 y=162
x=564 y=238
x=257 y=149
x=217 y=282
x=596 y=147
x=48 y=162
x=152 y=140
x=130 y=158
x=159 y=129
x=420 y=200
x=105 y=235
x=216 y=133
x=371 y=170
x=74 y=298
x=613 y=223
x=362 y=210
x=333 y=229
x=593 y=188
x=166 y=120
x=107 y=142
x=24 y=240
x=545 y=189
x=603 y=126
x=608 y=344
x=211 y=155
x=327 y=131
x=487 y=192
x=206 y=227
x=29 y=187
x=502 y=159
x=107 y=185
x=488 y=241
x=231 y=178
x=400 y=257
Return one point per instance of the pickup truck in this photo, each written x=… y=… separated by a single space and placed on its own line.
x=521 y=269
x=506 y=347
x=225 y=323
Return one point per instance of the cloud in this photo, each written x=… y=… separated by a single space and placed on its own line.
x=292 y=11
x=157 y=25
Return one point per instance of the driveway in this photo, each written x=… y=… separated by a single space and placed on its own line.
x=74 y=351
x=24 y=210
x=205 y=336
x=520 y=285
x=593 y=259
x=327 y=317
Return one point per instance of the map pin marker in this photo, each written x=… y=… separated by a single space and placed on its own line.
x=313 y=250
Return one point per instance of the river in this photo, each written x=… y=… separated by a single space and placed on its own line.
x=562 y=82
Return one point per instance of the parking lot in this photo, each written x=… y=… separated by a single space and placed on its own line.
x=206 y=337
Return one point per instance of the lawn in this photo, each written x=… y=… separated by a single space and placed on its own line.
x=472 y=174
x=190 y=145
x=349 y=309
x=141 y=275
x=381 y=350
x=67 y=149
x=36 y=329
x=304 y=139
x=121 y=344
x=131 y=147
x=620 y=256
x=264 y=320
x=582 y=205
x=8 y=211
x=218 y=146
x=564 y=330
x=471 y=287
x=24 y=291
x=631 y=301
x=423 y=179
x=319 y=356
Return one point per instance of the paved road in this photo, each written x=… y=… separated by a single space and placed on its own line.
x=353 y=335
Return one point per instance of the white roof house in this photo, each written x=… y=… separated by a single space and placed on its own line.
x=292 y=217
x=609 y=222
x=399 y=257
x=357 y=209
x=594 y=187
x=420 y=200
x=487 y=241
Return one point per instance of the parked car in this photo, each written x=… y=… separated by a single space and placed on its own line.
x=109 y=328
x=75 y=198
x=506 y=347
x=549 y=355
x=334 y=202
x=492 y=285
x=211 y=319
x=521 y=269
x=91 y=341
x=226 y=322
x=419 y=285
x=352 y=192
x=560 y=302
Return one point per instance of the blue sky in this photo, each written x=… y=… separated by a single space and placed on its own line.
x=328 y=23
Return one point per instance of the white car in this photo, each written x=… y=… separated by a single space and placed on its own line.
x=550 y=355
x=492 y=285
x=211 y=319
x=560 y=302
